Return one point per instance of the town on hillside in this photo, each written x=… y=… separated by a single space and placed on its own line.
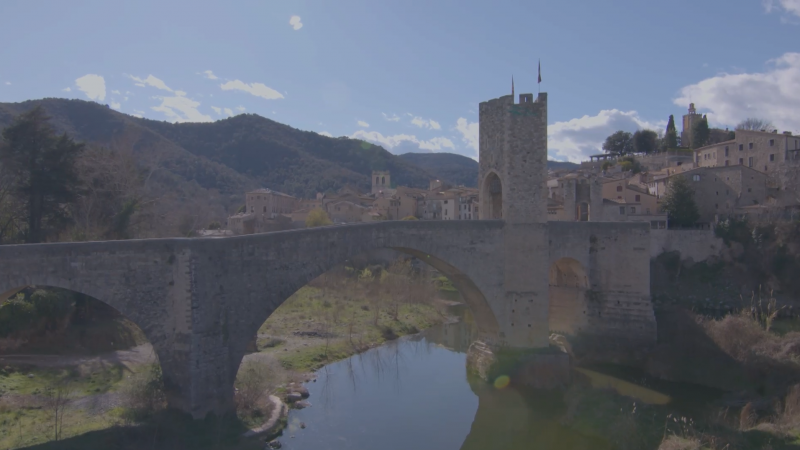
x=742 y=176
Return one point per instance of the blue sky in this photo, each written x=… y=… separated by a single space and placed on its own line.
x=409 y=74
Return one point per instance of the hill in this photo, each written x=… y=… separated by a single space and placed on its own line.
x=461 y=170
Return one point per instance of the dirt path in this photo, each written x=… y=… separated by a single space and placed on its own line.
x=135 y=356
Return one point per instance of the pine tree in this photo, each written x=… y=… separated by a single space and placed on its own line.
x=44 y=171
x=679 y=203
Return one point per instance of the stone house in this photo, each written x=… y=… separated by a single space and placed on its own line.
x=468 y=205
x=242 y=223
x=346 y=212
x=267 y=204
x=631 y=193
x=720 y=191
x=760 y=150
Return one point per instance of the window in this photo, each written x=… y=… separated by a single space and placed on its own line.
x=648 y=210
x=638 y=198
x=622 y=210
x=619 y=188
x=741 y=161
x=717 y=192
x=726 y=150
x=445 y=202
x=265 y=209
x=750 y=162
x=749 y=190
x=695 y=177
x=750 y=146
x=772 y=157
x=726 y=162
x=716 y=205
x=741 y=147
x=252 y=209
x=772 y=142
x=633 y=210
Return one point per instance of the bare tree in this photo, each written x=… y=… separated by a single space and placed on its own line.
x=59 y=395
x=756 y=124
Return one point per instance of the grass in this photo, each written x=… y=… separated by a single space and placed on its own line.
x=27 y=426
x=346 y=324
x=19 y=381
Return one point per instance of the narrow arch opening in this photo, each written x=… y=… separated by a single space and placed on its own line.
x=69 y=355
x=352 y=307
x=493 y=193
x=582 y=212
x=568 y=311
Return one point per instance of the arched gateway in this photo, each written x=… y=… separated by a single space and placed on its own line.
x=199 y=301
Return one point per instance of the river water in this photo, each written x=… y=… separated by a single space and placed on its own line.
x=414 y=393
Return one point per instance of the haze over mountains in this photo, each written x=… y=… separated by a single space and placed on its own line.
x=223 y=159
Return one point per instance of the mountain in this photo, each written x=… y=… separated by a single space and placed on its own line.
x=460 y=170
x=229 y=156
x=456 y=169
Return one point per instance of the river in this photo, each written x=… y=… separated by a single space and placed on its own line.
x=414 y=393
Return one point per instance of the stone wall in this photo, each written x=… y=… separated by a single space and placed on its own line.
x=698 y=245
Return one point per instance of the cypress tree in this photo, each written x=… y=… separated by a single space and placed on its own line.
x=679 y=203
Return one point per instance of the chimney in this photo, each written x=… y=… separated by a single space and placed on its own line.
x=787 y=133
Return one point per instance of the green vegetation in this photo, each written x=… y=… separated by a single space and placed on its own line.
x=619 y=143
x=700 y=133
x=645 y=141
x=671 y=135
x=317 y=218
x=679 y=203
x=629 y=163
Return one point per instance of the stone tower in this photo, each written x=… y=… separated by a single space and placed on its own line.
x=512 y=182
x=689 y=120
x=381 y=180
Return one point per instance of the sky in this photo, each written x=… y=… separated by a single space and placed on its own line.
x=409 y=74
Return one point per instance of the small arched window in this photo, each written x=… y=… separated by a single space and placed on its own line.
x=383 y=180
x=619 y=188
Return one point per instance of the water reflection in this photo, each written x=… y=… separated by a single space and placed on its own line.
x=415 y=393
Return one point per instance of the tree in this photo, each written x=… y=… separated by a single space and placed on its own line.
x=629 y=163
x=679 y=203
x=756 y=124
x=619 y=143
x=671 y=136
x=44 y=171
x=645 y=141
x=317 y=218
x=700 y=133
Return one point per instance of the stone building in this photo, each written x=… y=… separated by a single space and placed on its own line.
x=760 y=150
x=346 y=212
x=381 y=181
x=689 y=120
x=266 y=203
x=720 y=191
x=468 y=205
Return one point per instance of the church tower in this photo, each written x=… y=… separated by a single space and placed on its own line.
x=689 y=120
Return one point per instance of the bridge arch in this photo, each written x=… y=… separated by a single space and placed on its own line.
x=568 y=289
x=297 y=271
x=491 y=196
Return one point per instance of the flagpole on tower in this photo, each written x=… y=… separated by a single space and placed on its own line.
x=540 y=76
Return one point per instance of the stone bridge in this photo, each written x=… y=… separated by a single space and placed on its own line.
x=201 y=301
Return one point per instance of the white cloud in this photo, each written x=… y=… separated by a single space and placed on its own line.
x=392 y=118
x=125 y=99
x=8 y=83
x=150 y=81
x=361 y=123
x=576 y=139
x=295 y=22
x=115 y=92
x=209 y=74
x=469 y=133
x=325 y=133
x=228 y=111
x=426 y=123
x=181 y=109
x=217 y=110
x=115 y=105
x=138 y=113
x=786 y=6
x=66 y=89
x=94 y=86
x=257 y=89
x=730 y=98
x=180 y=93
x=240 y=108
x=139 y=84
x=402 y=143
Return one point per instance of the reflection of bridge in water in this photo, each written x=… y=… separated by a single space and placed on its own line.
x=199 y=302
